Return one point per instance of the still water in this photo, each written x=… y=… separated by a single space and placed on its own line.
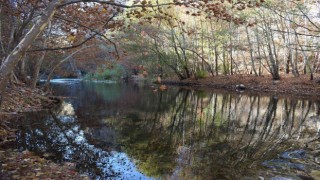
x=127 y=131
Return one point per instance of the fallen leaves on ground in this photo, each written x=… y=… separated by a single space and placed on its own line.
x=20 y=98
x=288 y=85
x=26 y=165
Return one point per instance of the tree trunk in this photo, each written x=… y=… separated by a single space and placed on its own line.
x=46 y=86
x=272 y=53
x=36 y=70
x=22 y=75
x=15 y=56
x=296 y=62
x=225 y=69
x=231 y=50
x=216 y=57
x=288 y=62
x=259 y=51
x=251 y=53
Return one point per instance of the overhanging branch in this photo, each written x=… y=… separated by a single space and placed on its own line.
x=68 y=2
x=83 y=42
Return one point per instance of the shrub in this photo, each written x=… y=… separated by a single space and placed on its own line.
x=201 y=74
x=114 y=73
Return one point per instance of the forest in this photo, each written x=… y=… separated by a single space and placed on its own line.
x=254 y=48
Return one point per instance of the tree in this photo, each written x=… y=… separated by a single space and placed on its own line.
x=13 y=58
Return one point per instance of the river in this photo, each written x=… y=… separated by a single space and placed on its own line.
x=128 y=131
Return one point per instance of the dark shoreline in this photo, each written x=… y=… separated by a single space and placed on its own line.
x=302 y=91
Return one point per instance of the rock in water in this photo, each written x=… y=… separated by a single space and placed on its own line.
x=240 y=87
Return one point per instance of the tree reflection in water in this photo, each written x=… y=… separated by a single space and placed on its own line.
x=129 y=132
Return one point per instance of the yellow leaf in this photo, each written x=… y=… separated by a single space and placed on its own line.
x=71 y=38
x=104 y=10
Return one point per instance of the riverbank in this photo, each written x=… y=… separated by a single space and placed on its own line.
x=21 y=98
x=301 y=87
x=26 y=165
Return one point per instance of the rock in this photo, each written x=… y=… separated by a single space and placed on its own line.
x=240 y=87
x=274 y=82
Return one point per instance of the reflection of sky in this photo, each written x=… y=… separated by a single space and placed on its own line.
x=123 y=166
x=63 y=81
x=110 y=163
x=73 y=81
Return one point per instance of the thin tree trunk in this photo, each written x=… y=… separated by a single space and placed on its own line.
x=259 y=51
x=288 y=61
x=272 y=54
x=231 y=50
x=251 y=53
x=46 y=86
x=3 y=51
x=216 y=57
x=39 y=62
x=36 y=71
x=22 y=75
x=225 y=69
x=296 y=61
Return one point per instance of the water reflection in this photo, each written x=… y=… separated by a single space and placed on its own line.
x=129 y=132
x=61 y=138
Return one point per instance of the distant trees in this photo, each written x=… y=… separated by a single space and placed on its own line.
x=261 y=37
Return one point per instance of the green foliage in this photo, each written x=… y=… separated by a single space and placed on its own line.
x=225 y=68
x=201 y=74
x=113 y=73
x=133 y=47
